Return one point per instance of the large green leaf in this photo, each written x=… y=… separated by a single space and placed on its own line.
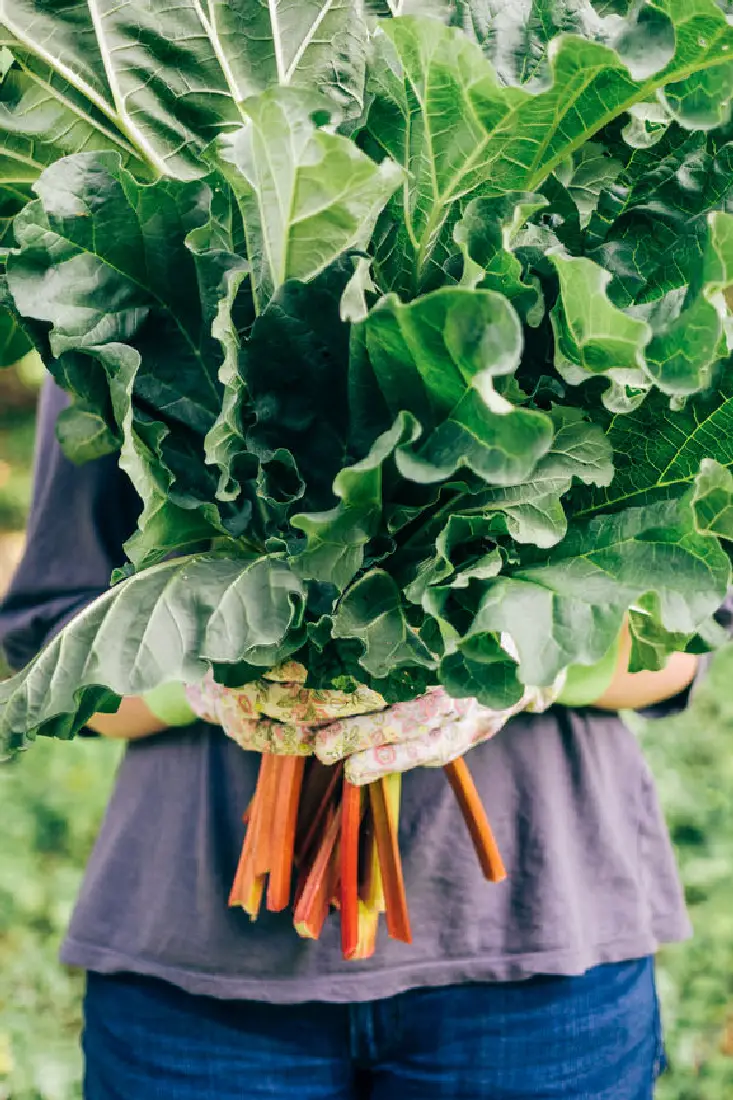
x=158 y=81
x=169 y=623
x=568 y=608
x=148 y=322
x=307 y=194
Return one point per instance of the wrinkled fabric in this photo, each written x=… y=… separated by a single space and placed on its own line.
x=592 y=876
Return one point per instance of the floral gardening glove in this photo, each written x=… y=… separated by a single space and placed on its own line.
x=430 y=731
x=277 y=714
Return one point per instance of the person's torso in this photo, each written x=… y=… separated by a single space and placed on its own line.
x=592 y=876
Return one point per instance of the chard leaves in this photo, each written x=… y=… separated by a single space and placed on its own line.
x=407 y=376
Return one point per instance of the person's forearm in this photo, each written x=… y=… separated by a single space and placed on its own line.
x=634 y=691
x=133 y=721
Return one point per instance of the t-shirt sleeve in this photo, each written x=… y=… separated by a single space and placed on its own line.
x=80 y=518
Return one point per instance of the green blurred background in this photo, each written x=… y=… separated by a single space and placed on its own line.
x=51 y=802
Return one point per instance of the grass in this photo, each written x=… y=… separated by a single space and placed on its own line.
x=51 y=804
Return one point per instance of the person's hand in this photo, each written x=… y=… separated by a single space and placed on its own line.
x=430 y=732
x=279 y=715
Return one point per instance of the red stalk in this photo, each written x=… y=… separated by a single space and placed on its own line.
x=317 y=885
x=476 y=820
x=319 y=790
x=285 y=814
x=350 y=824
x=385 y=831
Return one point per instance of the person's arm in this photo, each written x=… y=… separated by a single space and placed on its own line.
x=133 y=721
x=637 y=690
x=166 y=707
x=80 y=518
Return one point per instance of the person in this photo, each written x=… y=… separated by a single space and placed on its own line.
x=540 y=987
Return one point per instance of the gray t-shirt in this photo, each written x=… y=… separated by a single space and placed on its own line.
x=592 y=876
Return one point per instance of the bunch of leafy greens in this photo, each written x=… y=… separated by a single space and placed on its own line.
x=411 y=331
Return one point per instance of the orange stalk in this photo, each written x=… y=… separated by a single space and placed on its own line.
x=349 y=891
x=243 y=888
x=289 y=782
x=476 y=820
x=385 y=831
x=266 y=796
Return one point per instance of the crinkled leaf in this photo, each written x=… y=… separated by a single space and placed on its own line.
x=593 y=336
x=586 y=175
x=425 y=354
x=568 y=608
x=500 y=443
x=334 y=550
x=485 y=234
x=533 y=512
x=651 y=228
x=372 y=612
x=482 y=670
x=465 y=550
x=307 y=194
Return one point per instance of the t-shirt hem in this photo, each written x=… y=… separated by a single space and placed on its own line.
x=374 y=985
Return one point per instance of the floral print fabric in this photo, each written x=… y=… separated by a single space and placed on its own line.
x=278 y=714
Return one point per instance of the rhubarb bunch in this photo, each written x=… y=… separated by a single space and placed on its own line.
x=337 y=843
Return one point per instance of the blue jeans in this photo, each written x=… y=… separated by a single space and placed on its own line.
x=595 y=1037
